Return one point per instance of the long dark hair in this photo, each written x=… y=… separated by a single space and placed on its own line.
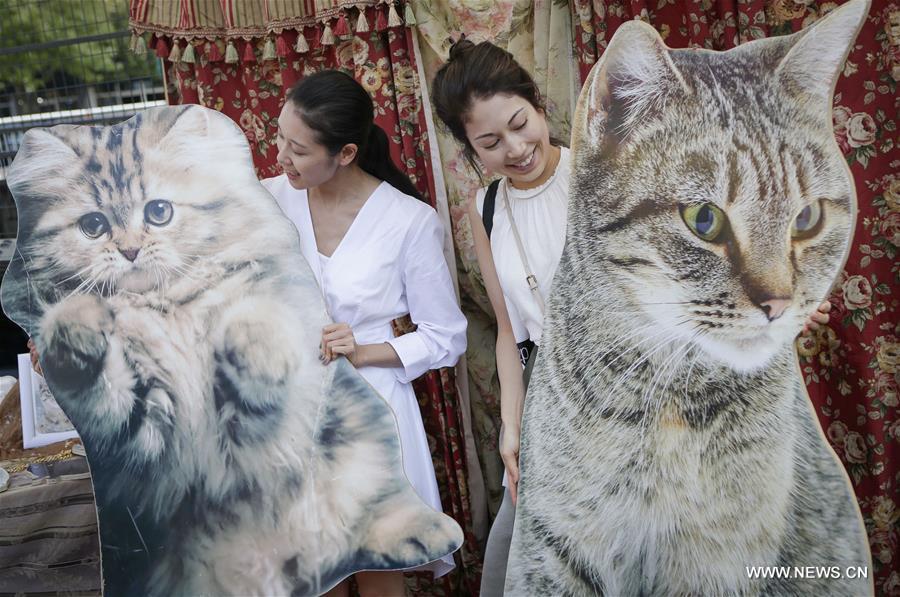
x=478 y=72
x=340 y=111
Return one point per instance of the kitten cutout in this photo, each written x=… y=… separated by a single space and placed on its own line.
x=668 y=442
x=178 y=327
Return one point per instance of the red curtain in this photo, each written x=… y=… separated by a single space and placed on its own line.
x=209 y=62
x=852 y=366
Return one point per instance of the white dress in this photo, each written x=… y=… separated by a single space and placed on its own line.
x=390 y=263
x=540 y=215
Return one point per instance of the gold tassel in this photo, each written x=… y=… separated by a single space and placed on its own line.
x=269 y=49
x=231 y=53
x=301 y=47
x=362 y=23
x=327 y=35
x=175 y=53
x=393 y=17
x=409 y=16
x=188 y=55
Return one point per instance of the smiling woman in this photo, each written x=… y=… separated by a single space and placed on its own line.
x=494 y=109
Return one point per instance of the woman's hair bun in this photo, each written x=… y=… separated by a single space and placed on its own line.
x=459 y=47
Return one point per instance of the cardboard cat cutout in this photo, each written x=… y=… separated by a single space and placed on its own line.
x=178 y=327
x=669 y=446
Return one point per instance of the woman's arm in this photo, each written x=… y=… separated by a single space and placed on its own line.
x=509 y=367
x=440 y=336
x=337 y=338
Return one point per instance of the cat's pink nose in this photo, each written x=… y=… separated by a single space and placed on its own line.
x=130 y=254
x=775 y=307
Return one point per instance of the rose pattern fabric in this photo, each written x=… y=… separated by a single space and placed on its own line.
x=852 y=366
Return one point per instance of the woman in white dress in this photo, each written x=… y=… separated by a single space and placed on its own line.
x=376 y=251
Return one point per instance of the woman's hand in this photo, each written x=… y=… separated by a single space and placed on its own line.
x=337 y=338
x=32 y=350
x=818 y=318
x=509 y=453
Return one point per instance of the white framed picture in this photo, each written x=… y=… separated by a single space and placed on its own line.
x=43 y=421
x=7 y=248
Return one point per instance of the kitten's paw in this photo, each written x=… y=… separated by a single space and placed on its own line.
x=74 y=340
x=410 y=535
x=256 y=360
x=256 y=348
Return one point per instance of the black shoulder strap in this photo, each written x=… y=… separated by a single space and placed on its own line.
x=487 y=213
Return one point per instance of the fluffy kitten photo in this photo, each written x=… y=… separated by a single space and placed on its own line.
x=668 y=441
x=178 y=327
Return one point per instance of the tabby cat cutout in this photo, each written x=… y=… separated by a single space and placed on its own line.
x=668 y=441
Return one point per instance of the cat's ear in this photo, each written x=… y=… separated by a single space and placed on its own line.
x=628 y=85
x=813 y=65
x=42 y=158
x=176 y=125
x=196 y=135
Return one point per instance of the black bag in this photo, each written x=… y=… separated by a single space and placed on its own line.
x=487 y=214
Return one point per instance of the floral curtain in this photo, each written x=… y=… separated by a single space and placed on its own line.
x=239 y=57
x=852 y=366
x=539 y=34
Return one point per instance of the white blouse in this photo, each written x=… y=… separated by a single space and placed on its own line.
x=540 y=215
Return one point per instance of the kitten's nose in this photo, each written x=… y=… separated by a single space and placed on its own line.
x=775 y=307
x=130 y=254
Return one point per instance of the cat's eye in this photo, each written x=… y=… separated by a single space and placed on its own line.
x=807 y=221
x=705 y=220
x=93 y=225
x=158 y=212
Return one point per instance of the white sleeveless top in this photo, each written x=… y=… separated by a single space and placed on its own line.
x=540 y=215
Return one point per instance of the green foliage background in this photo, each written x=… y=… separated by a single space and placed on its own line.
x=25 y=22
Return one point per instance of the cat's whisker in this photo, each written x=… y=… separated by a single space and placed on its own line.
x=672 y=335
x=621 y=380
x=668 y=335
x=681 y=351
x=157 y=274
x=649 y=394
x=687 y=377
x=184 y=272
x=87 y=283
x=79 y=274
x=636 y=332
x=79 y=288
x=660 y=371
x=662 y=332
x=624 y=338
x=610 y=347
x=676 y=365
x=645 y=357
